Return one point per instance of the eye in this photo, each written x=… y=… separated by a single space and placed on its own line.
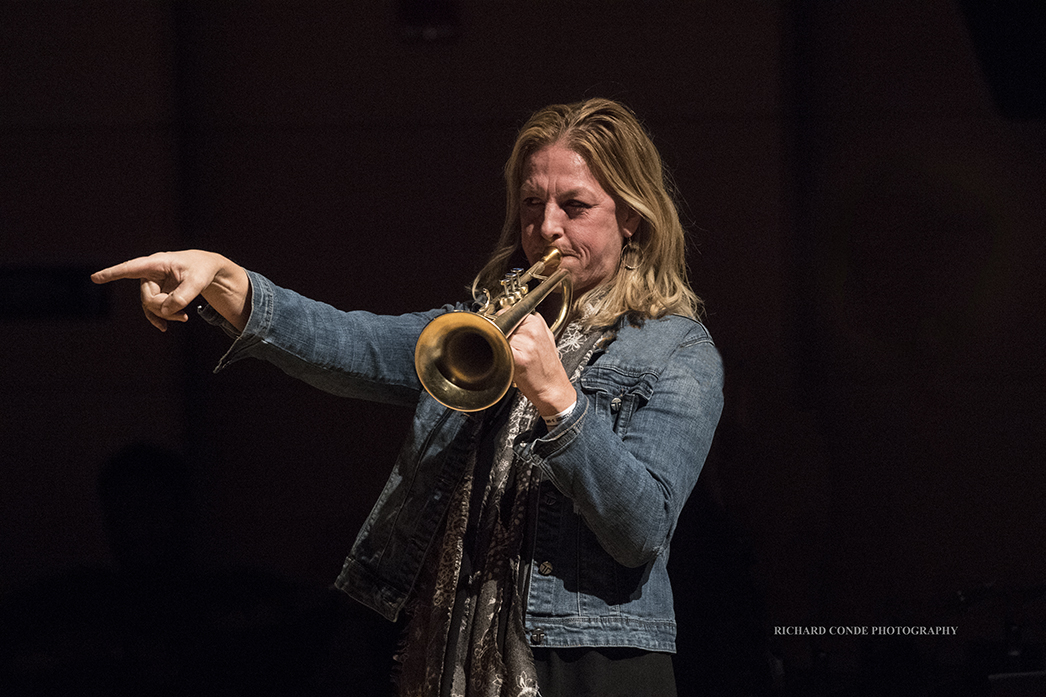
x=575 y=208
x=531 y=201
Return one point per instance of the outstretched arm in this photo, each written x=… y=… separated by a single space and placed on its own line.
x=171 y=280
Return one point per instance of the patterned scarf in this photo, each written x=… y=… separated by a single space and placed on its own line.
x=465 y=637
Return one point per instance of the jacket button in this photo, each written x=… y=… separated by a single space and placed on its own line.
x=537 y=637
x=545 y=569
x=615 y=405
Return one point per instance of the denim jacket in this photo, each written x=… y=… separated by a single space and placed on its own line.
x=615 y=473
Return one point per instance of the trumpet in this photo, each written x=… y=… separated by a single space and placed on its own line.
x=463 y=358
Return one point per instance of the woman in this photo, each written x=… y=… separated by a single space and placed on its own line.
x=528 y=542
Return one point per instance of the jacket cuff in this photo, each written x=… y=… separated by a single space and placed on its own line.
x=262 y=301
x=559 y=437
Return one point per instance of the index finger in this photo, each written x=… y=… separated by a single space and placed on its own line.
x=141 y=267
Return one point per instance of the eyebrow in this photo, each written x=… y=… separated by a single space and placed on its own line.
x=571 y=193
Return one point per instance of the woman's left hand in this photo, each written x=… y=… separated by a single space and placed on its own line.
x=539 y=372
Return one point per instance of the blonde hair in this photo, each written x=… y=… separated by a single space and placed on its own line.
x=623 y=159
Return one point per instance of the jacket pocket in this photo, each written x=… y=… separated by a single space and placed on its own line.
x=617 y=393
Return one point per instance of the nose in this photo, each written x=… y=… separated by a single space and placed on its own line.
x=552 y=223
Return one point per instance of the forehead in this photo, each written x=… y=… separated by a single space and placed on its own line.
x=557 y=165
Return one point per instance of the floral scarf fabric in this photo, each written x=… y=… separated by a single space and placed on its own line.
x=465 y=637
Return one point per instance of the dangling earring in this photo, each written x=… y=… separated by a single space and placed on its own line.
x=633 y=251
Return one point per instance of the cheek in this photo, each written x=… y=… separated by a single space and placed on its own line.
x=533 y=244
x=525 y=218
x=603 y=248
x=529 y=234
x=608 y=263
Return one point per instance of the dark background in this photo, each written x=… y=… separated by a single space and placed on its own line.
x=864 y=183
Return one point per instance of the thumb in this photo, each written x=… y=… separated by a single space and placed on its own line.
x=173 y=306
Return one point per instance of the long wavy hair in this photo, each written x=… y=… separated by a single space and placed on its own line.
x=623 y=159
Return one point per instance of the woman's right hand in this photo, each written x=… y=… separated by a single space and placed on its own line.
x=171 y=280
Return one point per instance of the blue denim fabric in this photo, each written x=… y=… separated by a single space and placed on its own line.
x=615 y=474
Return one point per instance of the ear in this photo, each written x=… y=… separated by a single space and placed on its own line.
x=630 y=222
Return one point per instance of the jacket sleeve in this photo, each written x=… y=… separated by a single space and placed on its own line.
x=352 y=354
x=630 y=454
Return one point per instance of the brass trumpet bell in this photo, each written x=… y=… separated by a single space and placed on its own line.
x=464 y=360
